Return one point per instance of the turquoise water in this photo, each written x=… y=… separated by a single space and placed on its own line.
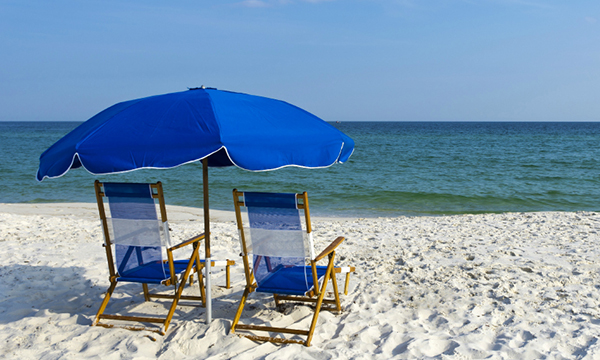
x=398 y=168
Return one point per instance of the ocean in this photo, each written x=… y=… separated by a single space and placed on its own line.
x=398 y=168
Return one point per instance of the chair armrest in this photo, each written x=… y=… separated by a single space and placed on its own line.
x=187 y=242
x=330 y=248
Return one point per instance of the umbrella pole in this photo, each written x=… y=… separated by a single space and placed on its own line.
x=207 y=261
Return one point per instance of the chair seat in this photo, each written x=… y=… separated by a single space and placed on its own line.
x=291 y=280
x=153 y=274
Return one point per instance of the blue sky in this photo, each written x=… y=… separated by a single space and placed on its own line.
x=343 y=60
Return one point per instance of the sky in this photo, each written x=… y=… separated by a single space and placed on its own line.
x=342 y=60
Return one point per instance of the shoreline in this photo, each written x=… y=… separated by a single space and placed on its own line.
x=90 y=211
x=502 y=286
x=189 y=213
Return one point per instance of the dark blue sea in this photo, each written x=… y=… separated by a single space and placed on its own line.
x=398 y=168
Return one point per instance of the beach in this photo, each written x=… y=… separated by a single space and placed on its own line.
x=496 y=286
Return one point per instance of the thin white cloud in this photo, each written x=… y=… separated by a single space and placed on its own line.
x=537 y=4
x=270 y=3
x=529 y=3
x=254 y=3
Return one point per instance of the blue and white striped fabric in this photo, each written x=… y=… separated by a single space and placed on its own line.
x=135 y=232
x=278 y=244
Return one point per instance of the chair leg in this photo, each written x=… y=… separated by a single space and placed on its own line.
x=109 y=292
x=238 y=314
x=146 y=293
x=347 y=283
x=335 y=291
x=179 y=290
x=227 y=277
x=199 y=269
x=313 y=324
x=172 y=309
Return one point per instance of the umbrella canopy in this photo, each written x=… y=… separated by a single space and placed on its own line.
x=252 y=132
x=220 y=128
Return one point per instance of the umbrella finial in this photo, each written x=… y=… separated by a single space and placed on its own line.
x=202 y=87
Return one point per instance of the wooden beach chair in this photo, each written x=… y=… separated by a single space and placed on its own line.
x=137 y=240
x=281 y=248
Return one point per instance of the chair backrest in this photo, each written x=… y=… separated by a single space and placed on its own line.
x=132 y=225
x=276 y=236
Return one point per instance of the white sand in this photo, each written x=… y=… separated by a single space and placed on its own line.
x=499 y=286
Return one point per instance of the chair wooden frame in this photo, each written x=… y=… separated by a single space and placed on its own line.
x=316 y=296
x=194 y=264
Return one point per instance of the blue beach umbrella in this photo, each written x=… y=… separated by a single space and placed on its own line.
x=219 y=128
